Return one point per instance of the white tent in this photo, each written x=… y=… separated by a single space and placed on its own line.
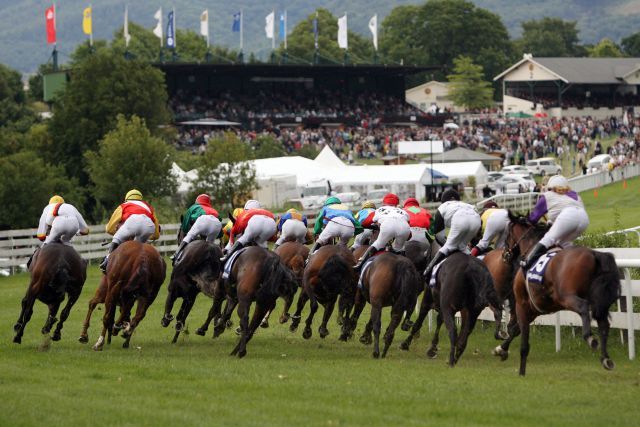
x=184 y=179
x=311 y=177
x=327 y=158
x=462 y=171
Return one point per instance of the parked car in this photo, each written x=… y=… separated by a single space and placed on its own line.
x=515 y=169
x=512 y=184
x=492 y=176
x=599 y=163
x=544 y=166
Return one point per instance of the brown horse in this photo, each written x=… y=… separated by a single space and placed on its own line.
x=390 y=280
x=135 y=273
x=328 y=274
x=463 y=284
x=257 y=275
x=577 y=279
x=419 y=253
x=293 y=255
x=198 y=271
x=502 y=265
x=56 y=271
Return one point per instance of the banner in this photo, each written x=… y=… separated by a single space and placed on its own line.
x=373 y=27
x=171 y=30
x=343 y=41
x=86 y=21
x=269 y=25
x=158 y=29
x=283 y=27
x=50 y=18
x=127 y=36
x=204 y=25
x=314 y=24
x=237 y=17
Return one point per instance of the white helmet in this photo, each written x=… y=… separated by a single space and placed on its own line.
x=558 y=181
x=252 y=204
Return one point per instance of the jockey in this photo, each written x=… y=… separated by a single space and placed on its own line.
x=564 y=210
x=59 y=221
x=337 y=220
x=226 y=230
x=256 y=225
x=132 y=220
x=200 y=220
x=463 y=223
x=394 y=225
x=419 y=219
x=292 y=227
x=495 y=222
x=365 y=218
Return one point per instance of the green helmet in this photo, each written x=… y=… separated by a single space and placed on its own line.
x=332 y=201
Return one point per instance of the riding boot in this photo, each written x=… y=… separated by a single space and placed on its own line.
x=175 y=258
x=436 y=259
x=237 y=245
x=314 y=248
x=33 y=255
x=105 y=260
x=532 y=257
x=365 y=256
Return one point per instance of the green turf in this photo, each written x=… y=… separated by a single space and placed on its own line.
x=613 y=200
x=286 y=380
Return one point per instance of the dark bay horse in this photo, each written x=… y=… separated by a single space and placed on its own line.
x=257 y=275
x=390 y=280
x=419 y=253
x=57 y=270
x=503 y=265
x=293 y=255
x=579 y=279
x=328 y=274
x=464 y=284
x=135 y=273
x=198 y=271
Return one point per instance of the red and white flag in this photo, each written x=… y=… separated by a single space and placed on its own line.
x=50 y=17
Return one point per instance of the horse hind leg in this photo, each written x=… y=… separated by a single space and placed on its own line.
x=468 y=323
x=448 y=317
x=214 y=311
x=51 y=318
x=328 y=310
x=581 y=306
x=25 y=316
x=284 y=317
x=228 y=311
x=107 y=319
x=168 y=306
x=240 y=349
x=295 y=319
x=417 y=325
x=57 y=334
x=603 y=329
x=376 y=314
x=141 y=311
x=432 y=351
x=390 y=332
x=181 y=321
x=307 y=333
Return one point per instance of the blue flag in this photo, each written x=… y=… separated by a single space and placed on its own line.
x=283 y=28
x=236 y=22
x=171 y=36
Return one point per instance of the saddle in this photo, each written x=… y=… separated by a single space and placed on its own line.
x=365 y=267
x=228 y=265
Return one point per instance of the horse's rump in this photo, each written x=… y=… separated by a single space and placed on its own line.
x=466 y=276
x=337 y=275
x=415 y=252
x=136 y=268
x=200 y=265
x=408 y=281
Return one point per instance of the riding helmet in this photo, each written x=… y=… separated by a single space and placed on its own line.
x=390 y=199
x=449 y=194
x=203 y=199
x=411 y=201
x=368 y=204
x=490 y=205
x=332 y=201
x=133 y=195
x=558 y=181
x=252 y=204
x=56 y=199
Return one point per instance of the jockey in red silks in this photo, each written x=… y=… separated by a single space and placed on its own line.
x=256 y=225
x=419 y=220
x=200 y=220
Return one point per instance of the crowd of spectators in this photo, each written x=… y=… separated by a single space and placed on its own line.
x=582 y=100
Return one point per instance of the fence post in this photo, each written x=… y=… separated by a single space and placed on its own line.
x=631 y=340
x=558 y=339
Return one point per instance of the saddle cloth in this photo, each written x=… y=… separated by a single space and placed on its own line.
x=226 y=271
x=364 y=269
x=535 y=275
x=434 y=274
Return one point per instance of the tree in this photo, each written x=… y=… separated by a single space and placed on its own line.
x=300 y=43
x=129 y=157
x=467 y=87
x=606 y=48
x=631 y=45
x=549 y=37
x=101 y=87
x=265 y=146
x=225 y=171
x=26 y=184
x=16 y=117
x=400 y=36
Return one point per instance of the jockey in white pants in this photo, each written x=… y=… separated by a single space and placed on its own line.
x=419 y=220
x=257 y=226
x=365 y=217
x=565 y=211
x=132 y=220
x=292 y=227
x=495 y=223
x=200 y=220
x=463 y=223
x=394 y=226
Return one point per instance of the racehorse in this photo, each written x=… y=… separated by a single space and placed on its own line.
x=463 y=284
x=328 y=274
x=419 y=253
x=576 y=278
x=198 y=271
x=135 y=273
x=503 y=265
x=58 y=269
x=260 y=276
x=390 y=280
x=293 y=255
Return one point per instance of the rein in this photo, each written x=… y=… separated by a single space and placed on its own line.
x=507 y=255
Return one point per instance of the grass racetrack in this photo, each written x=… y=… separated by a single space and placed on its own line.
x=603 y=204
x=286 y=380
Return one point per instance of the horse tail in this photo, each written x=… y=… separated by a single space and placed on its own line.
x=60 y=279
x=333 y=274
x=407 y=279
x=140 y=276
x=605 y=287
x=478 y=275
x=274 y=280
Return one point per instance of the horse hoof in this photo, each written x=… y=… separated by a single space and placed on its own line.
x=365 y=340
x=45 y=331
x=608 y=364
x=323 y=332
x=406 y=325
x=376 y=354
x=593 y=343
x=502 y=335
x=242 y=353
x=238 y=331
x=125 y=344
x=97 y=347
x=502 y=353
x=201 y=332
x=284 y=318
x=229 y=323
x=179 y=326
x=83 y=339
x=17 y=327
x=432 y=353
x=404 y=346
x=264 y=324
x=344 y=337
x=56 y=336
x=340 y=320
x=17 y=340
x=307 y=333
x=293 y=328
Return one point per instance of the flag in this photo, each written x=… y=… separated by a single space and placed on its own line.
x=269 y=22
x=373 y=27
x=204 y=24
x=283 y=27
x=86 y=21
x=343 y=42
x=158 y=29
x=315 y=30
x=237 y=17
x=127 y=37
x=50 y=18
x=171 y=30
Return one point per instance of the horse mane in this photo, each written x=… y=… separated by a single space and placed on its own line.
x=538 y=229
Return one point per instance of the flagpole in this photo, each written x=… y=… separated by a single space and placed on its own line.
x=54 y=54
x=175 y=30
x=273 y=26
x=241 y=28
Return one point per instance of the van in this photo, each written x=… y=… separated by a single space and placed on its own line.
x=599 y=163
x=544 y=166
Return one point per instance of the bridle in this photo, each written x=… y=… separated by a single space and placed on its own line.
x=507 y=255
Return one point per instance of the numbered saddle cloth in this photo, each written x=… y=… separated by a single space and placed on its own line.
x=434 y=274
x=535 y=275
x=226 y=271
x=364 y=269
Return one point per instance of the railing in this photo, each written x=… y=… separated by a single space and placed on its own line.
x=520 y=202
x=635 y=230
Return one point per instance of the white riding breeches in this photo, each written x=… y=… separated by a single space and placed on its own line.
x=496 y=228
x=260 y=229
x=394 y=229
x=464 y=226
x=363 y=238
x=569 y=224
x=337 y=227
x=293 y=230
x=419 y=234
x=136 y=227
x=63 y=228
x=207 y=226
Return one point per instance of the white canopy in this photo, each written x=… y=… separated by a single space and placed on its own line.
x=328 y=158
x=462 y=171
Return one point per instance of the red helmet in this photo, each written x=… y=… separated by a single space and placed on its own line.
x=490 y=204
x=203 y=199
x=390 y=199
x=411 y=201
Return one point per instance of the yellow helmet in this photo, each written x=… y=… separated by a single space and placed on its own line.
x=56 y=199
x=236 y=212
x=368 y=204
x=292 y=210
x=133 y=195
